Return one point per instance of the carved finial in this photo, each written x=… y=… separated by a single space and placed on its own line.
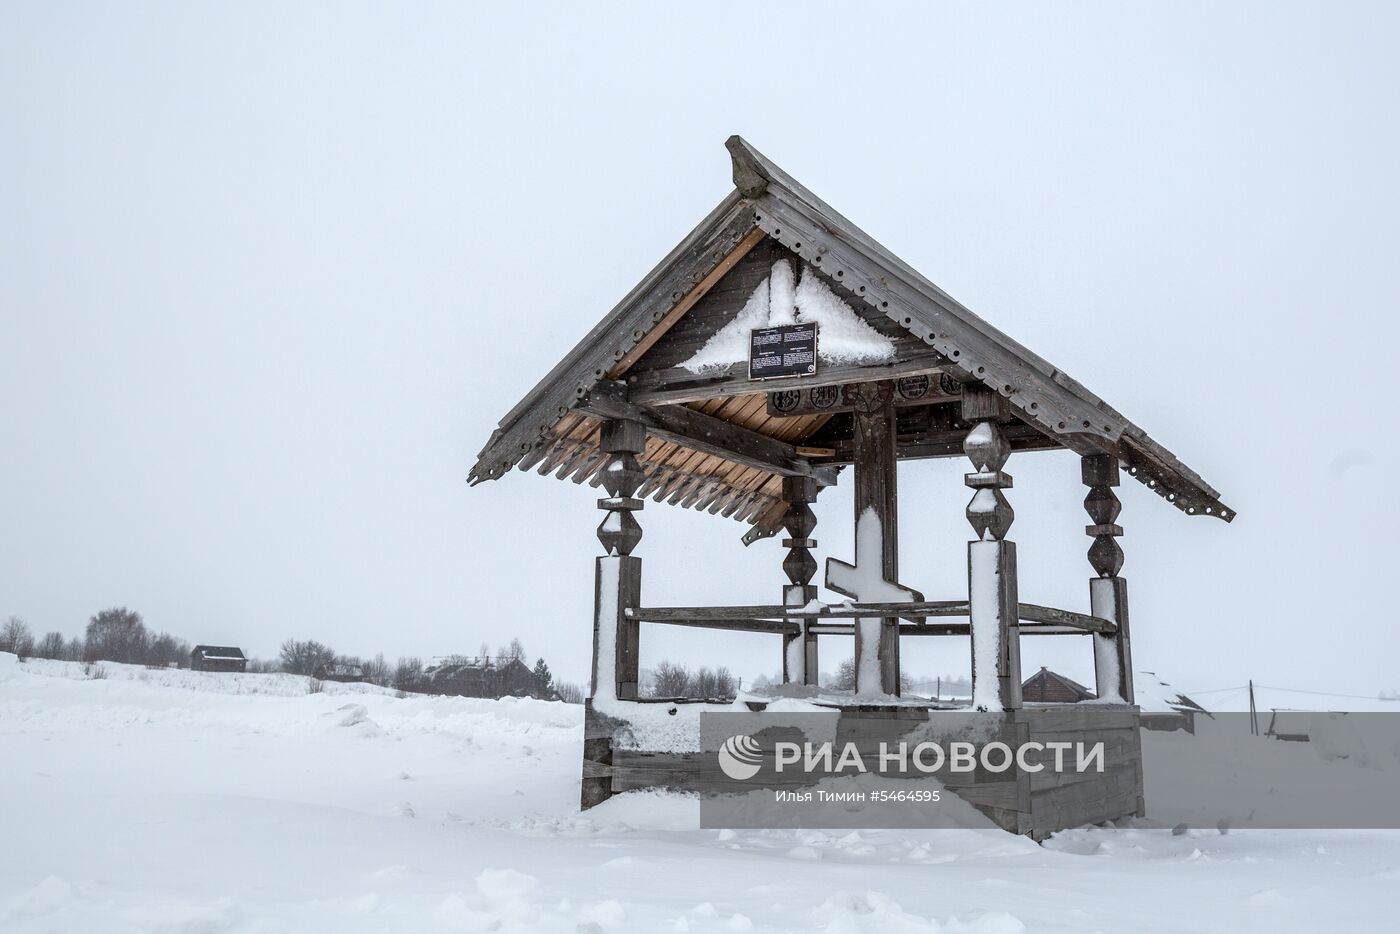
x=749 y=175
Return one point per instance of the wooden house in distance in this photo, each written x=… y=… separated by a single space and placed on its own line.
x=1051 y=687
x=344 y=672
x=481 y=677
x=671 y=397
x=218 y=658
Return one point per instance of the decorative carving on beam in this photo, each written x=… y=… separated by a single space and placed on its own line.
x=622 y=441
x=1100 y=474
x=668 y=387
x=989 y=512
x=617 y=581
x=1108 y=593
x=800 y=648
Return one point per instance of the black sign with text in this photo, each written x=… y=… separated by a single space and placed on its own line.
x=787 y=350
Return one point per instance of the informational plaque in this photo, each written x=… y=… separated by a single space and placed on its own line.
x=787 y=350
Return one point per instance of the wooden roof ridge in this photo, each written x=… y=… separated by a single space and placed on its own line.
x=1046 y=674
x=767 y=200
x=1040 y=393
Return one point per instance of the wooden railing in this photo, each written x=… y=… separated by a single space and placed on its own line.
x=1034 y=619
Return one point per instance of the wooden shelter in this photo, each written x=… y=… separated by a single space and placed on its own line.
x=659 y=401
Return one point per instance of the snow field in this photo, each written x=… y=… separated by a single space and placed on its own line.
x=173 y=805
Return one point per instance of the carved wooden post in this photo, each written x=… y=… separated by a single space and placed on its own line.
x=1108 y=593
x=618 y=575
x=800 y=651
x=991 y=561
x=876 y=492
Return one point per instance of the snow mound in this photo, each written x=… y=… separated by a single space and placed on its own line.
x=843 y=337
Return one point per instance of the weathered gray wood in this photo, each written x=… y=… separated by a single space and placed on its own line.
x=996 y=560
x=733 y=625
x=1113 y=653
x=591 y=359
x=1066 y=618
x=777 y=611
x=1051 y=718
x=876 y=494
x=628 y=576
x=946 y=442
x=918 y=390
x=675 y=386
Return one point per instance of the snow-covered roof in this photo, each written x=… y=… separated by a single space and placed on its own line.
x=223 y=653
x=1155 y=695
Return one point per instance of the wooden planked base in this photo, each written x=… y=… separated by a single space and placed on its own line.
x=1032 y=803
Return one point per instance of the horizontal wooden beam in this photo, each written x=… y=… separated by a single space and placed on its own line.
x=839 y=611
x=1020 y=436
x=1032 y=616
x=706 y=434
x=1067 y=618
x=944 y=629
x=734 y=625
x=676 y=385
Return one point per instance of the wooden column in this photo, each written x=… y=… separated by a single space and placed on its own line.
x=876 y=492
x=800 y=650
x=1108 y=593
x=618 y=574
x=991 y=560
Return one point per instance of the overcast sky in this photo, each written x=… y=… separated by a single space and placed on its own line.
x=270 y=274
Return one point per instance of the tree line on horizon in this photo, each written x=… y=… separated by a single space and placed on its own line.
x=118 y=634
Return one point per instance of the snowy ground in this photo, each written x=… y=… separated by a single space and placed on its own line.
x=185 y=802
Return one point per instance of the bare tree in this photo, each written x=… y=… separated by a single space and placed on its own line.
x=165 y=649
x=51 y=646
x=116 y=635
x=377 y=671
x=303 y=658
x=75 y=650
x=670 y=680
x=16 y=637
x=511 y=651
x=408 y=674
x=568 y=692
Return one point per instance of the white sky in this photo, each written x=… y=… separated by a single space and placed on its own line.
x=269 y=275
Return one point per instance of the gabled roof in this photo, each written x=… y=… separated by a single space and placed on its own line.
x=1052 y=679
x=767 y=202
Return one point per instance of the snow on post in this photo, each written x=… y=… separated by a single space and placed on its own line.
x=1108 y=600
x=865 y=582
x=991 y=561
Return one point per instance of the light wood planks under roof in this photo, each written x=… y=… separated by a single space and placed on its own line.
x=677 y=474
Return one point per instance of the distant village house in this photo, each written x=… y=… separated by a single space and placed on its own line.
x=339 y=671
x=481 y=677
x=218 y=658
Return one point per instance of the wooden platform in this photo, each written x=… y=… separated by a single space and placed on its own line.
x=1032 y=803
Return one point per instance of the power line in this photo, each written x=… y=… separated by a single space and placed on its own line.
x=1319 y=693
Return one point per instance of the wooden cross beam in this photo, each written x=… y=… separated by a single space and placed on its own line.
x=706 y=434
